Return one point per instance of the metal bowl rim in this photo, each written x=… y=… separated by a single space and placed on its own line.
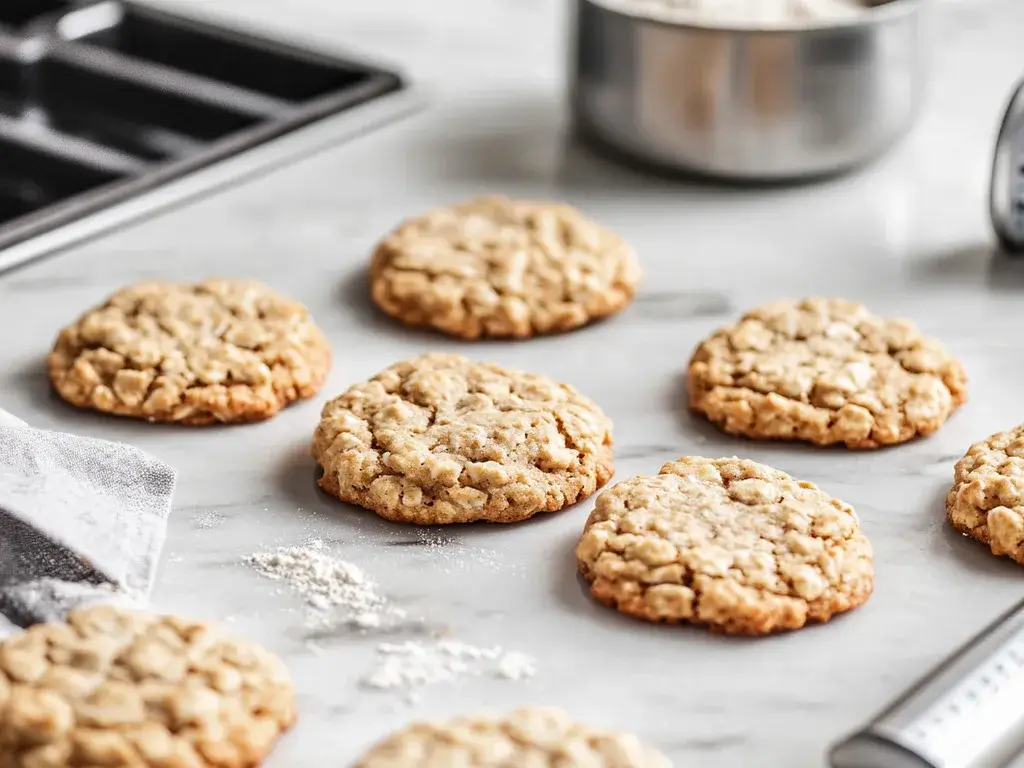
x=891 y=11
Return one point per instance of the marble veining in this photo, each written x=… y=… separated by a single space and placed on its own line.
x=907 y=236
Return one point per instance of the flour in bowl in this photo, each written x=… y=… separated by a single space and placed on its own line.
x=743 y=13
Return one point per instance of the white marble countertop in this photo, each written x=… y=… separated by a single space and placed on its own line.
x=909 y=236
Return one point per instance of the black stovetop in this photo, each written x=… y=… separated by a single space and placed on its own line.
x=103 y=102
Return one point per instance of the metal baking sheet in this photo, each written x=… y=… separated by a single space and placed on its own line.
x=110 y=111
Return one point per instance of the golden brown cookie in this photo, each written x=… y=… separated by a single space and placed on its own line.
x=731 y=544
x=123 y=689
x=531 y=736
x=441 y=439
x=500 y=268
x=826 y=371
x=217 y=351
x=986 y=501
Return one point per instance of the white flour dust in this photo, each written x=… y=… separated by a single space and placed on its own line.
x=328 y=585
x=414 y=664
x=516 y=666
x=452 y=555
x=745 y=13
x=207 y=519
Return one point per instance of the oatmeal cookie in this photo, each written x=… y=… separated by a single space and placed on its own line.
x=123 y=689
x=826 y=371
x=500 y=268
x=530 y=736
x=441 y=439
x=217 y=351
x=986 y=501
x=731 y=544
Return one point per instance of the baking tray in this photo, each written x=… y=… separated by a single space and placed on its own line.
x=110 y=111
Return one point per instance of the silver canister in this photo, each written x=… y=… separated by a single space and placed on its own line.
x=1006 y=194
x=749 y=105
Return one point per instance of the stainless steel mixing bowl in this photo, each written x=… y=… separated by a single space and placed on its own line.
x=753 y=105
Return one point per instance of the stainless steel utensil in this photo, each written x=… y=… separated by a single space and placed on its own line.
x=756 y=105
x=968 y=713
x=1006 y=195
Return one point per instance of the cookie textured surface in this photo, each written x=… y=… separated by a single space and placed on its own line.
x=986 y=501
x=217 y=351
x=826 y=371
x=500 y=268
x=442 y=439
x=731 y=544
x=122 y=689
x=531 y=736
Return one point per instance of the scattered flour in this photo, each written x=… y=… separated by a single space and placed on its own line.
x=516 y=666
x=208 y=519
x=413 y=664
x=745 y=13
x=328 y=585
x=452 y=555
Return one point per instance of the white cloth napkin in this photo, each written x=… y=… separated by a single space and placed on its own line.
x=81 y=521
